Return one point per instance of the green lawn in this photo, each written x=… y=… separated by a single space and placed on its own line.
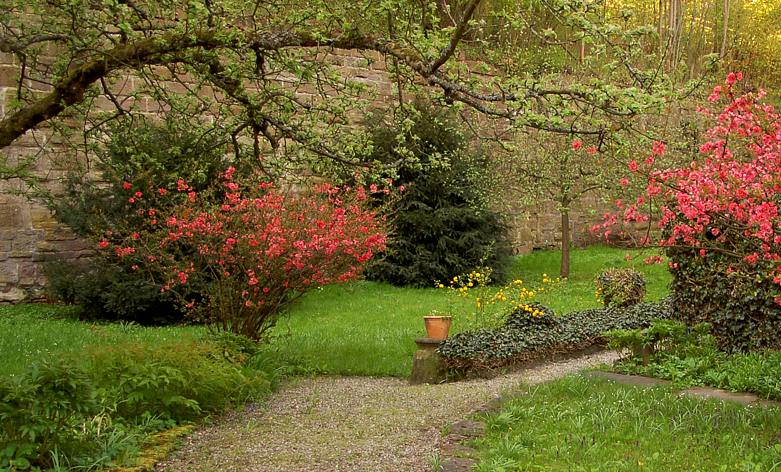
x=578 y=424
x=30 y=333
x=578 y=292
x=363 y=328
x=367 y=328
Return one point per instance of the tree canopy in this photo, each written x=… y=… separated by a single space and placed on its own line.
x=260 y=71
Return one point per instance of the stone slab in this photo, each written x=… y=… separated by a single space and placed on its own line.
x=638 y=380
x=743 y=398
x=457 y=464
x=723 y=395
x=468 y=428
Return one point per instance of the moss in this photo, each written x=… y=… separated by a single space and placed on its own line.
x=156 y=448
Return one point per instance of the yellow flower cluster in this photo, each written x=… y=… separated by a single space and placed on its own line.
x=515 y=295
x=533 y=311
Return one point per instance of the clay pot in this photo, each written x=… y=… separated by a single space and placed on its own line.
x=437 y=327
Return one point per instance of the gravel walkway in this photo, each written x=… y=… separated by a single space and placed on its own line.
x=350 y=423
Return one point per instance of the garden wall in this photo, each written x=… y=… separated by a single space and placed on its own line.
x=29 y=235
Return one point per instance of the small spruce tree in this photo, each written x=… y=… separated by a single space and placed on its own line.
x=443 y=225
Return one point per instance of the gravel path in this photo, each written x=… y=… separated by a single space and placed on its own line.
x=350 y=423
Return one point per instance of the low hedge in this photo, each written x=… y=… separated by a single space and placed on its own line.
x=525 y=337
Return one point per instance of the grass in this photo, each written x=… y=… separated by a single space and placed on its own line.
x=363 y=328
x=578 y=292
x=578 y=424
x=30 y=333
x=368 y=328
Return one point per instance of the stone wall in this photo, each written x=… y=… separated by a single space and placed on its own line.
x=29 y=235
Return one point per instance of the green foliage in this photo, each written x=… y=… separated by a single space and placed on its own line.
x=140 y=156
x=689 y=356
x=94 y=409
x=521 y=340
x=442 y=224
x=585 y=424
x=104 y=288
x=620 y=287
x=42 y=412
x=735 y=298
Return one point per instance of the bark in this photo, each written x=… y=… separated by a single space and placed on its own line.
x=565 y=244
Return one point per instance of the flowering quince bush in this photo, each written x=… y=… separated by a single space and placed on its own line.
x=719 y=220
x=237 y=263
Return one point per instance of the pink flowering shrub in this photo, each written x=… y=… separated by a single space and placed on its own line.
x=720 y=222
x=237 y=263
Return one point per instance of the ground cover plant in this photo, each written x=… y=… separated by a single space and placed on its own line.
x=319 y=333
x=82 y=395
x=41 y=332
x=578 y=293
x=690 y=357
x=534 y=331
x=579 y=424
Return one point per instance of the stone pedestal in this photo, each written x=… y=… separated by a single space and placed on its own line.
x=427 y=365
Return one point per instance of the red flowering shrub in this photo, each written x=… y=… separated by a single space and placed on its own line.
x=720 y=221
x=237 y=263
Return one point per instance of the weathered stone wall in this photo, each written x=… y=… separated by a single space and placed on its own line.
x=29 y=235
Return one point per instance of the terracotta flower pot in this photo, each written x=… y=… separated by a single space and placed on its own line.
x=437 y=327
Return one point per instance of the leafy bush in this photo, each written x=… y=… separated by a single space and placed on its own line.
x=525 y=337
x=738 y=299
x=620 y=287
x=95 y=409
x=140 y=158
x=237 y=263
x=442 y=224
x=44 y=412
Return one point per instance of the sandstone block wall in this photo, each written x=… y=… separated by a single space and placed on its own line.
x=29 y=235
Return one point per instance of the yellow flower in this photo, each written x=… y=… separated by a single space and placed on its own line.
x=441 y=286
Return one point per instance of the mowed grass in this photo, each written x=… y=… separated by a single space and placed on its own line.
x=579 y=424
x=36 y=332
x=367 y=328
x=362 y=328
x=578 y=292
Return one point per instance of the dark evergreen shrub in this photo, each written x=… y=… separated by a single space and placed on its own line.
x=139 y=156
x=442 y=224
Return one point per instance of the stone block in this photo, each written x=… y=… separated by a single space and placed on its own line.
x=9 y=272
x=30 y=274
x=427 y=366
x=9 y=75
x=12 y=295
x=13 y=215
x=42 y=218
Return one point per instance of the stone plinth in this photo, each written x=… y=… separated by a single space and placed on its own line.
x=427 y=365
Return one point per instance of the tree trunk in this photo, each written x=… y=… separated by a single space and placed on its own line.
x=725 y=30
x=565 y=244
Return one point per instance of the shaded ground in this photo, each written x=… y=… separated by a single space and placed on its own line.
x=350 y=423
